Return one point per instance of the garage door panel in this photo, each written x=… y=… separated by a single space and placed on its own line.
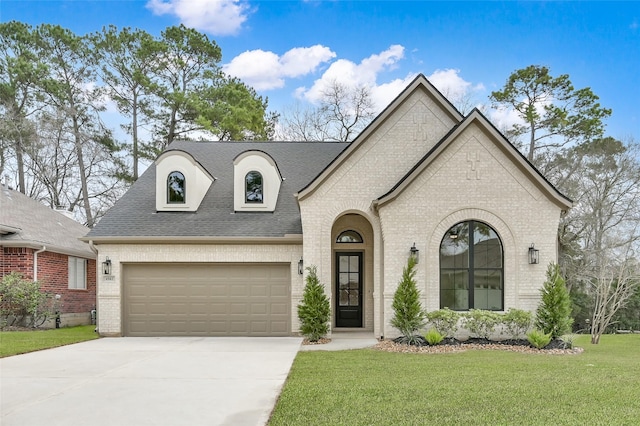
x=207 y=299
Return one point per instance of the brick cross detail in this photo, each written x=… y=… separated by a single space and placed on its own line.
x=474 y=169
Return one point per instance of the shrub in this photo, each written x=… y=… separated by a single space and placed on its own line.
x=433 y=337
x=315 y=310
x=538 y=339
x=567 y=340
x=408 y=315
x=517 y=322
x=480 y=322
x=553 y=315
x=22 y=302
x=445 y=321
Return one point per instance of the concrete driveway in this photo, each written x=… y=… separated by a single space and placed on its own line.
x=147 y=381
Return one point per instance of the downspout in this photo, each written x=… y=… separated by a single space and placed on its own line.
x=35 y=262
x=93 y=248
x=94 y=311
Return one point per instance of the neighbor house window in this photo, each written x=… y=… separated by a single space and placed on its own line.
x=176 y=188
x=471 y=268
x=253 y=187
x=77 y=273
x=349 y=237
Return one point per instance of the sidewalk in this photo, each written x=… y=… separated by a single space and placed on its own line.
x=345 y=340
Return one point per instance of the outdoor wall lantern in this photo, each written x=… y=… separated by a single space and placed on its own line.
x=300 y=266
x=534 y=255
x=106 y=266
x=414 y=253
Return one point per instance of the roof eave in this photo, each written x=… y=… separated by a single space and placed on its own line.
x=286 y=239
x=37 y=245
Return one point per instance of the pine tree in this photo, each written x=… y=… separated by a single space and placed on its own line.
x=314 y=310
x=409 y=317
x=553 y=315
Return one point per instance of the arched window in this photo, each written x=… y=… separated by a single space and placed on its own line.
x=253 y=187
x=471 y=268
x=176 y=188
x=349 y=237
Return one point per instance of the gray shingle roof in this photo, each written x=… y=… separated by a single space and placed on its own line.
x=26 y=222
x=134 y=215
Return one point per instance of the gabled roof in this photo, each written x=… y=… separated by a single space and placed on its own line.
x=134 y=216
x=511 y=151
x=25 y=222
x=419 y=83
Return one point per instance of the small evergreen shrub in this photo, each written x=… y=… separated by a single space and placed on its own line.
x=553 y=315
x=481 y=323
x=445 y=321
x=315 y=309
x=433 y=337
x=517 y=322
x=408 y=315
x=538 y=339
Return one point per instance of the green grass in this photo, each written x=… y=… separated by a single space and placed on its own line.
x=366 y=387
x=20 y=342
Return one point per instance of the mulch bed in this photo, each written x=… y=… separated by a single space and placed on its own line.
x=556 y=347
x=322 y=341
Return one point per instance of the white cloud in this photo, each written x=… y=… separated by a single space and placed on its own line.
x=217 y=17
x=504 y=118
x=365 y=74
x=459 y=91
x=264 y=70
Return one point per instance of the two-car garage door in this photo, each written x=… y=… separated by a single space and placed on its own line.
x=206 y=299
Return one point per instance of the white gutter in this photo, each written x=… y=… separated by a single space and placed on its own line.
x=35 y=262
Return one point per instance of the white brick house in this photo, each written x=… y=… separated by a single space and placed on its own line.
x=210 y=241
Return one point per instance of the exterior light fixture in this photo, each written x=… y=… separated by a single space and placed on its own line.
x=106 y=266
x=414 y=253
x=534 y=255
x=300 y=266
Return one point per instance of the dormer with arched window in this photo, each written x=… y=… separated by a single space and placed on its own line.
x=257 y=182
x=181 y=182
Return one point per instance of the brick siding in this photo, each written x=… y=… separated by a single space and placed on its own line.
x=53 y=276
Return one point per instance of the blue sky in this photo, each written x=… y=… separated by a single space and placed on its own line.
x=288 y=50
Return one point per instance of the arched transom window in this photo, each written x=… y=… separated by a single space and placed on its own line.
x=253 y=187
x=349 y=237
x=176 y=188
x=471 y=268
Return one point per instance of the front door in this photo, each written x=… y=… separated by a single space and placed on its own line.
x=348 y=289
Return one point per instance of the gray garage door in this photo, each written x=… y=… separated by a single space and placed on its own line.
x=206 y=299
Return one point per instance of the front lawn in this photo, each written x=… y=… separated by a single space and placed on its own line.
x=481 y=387
x=20 y=342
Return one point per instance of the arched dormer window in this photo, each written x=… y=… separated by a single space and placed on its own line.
x=253 y=187
x=349 y=237
x=176 y=188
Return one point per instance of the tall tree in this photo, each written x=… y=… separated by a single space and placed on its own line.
x=554 y=112
x=71 y=91
x=127 y=58
x=187 y=60
x=230 y=110
x=341 y=114
x=600 y=235
x=20 y=72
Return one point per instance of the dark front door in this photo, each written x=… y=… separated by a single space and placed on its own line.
x=348 y=289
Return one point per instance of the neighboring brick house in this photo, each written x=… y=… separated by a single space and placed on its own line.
x=213 y=239
x=43 y=245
